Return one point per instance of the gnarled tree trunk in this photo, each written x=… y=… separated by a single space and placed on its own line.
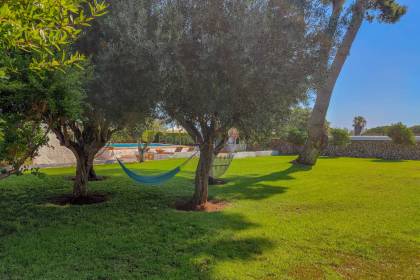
x=318 y=137
x=141 y=147
x=202 y=174
x=82 y=174
x=85 y=142
x=92 y=173
x=96 y=146
x=85 y=171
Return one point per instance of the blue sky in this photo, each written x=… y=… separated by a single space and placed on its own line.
x=381 y=78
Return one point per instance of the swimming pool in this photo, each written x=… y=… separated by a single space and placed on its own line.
x=134 y=145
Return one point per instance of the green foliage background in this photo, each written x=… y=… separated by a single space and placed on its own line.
x=401 y=134
x=339 y=136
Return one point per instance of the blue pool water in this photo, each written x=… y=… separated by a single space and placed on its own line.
x=134 y=145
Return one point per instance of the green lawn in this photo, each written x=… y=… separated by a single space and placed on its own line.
x=345 y=218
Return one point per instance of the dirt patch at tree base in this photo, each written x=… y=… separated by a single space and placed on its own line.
x=92 y=198
x=210 y=206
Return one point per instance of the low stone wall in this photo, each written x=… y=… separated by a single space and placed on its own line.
x=375 y=149
x=360 y=149
x=256 y=154
x=285 y=148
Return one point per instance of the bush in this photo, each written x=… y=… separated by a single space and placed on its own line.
x=122 y=136
x=415 y=129
x=297 y=136
x=401 y=134
x=20 y=142
x=339 y=137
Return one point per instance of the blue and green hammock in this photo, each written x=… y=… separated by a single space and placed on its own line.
x=156 y=179
x=220 y=165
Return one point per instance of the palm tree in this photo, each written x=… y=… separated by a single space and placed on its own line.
x=359 y=123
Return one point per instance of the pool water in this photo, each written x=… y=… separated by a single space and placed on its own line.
x=134 y=145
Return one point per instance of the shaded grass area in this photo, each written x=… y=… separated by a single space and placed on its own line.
x=343 y=219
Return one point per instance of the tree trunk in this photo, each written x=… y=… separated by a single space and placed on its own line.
x=85 y=171
x=82 y=175
x=91 y=158
x=92 y=173
x=142 y=155
x=85 y=141
x=141 y=149
x=202 y=175
x=317 y=135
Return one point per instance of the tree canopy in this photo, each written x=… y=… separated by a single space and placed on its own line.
x=401 y=134
x=44 y=29
x=227 y=64
x=121 y=89
x=35 y=42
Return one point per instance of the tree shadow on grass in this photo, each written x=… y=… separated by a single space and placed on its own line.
x=134 y=235
x=256 y=187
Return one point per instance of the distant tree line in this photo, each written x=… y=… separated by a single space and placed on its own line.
x=383 y=130
x=176 y=138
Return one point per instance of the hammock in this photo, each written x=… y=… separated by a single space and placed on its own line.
x=222 y=162
x=153 y=180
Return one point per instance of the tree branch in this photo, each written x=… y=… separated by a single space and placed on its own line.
x=221 y=145
x=343 y=51
x=192 y=130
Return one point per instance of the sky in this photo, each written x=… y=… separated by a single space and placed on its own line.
x=381 y=78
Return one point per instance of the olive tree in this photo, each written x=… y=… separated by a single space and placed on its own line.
x=121 y=88
x=227 y=64
x=35 y=40
x=144 y=133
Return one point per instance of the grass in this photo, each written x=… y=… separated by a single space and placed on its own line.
x=343 y=219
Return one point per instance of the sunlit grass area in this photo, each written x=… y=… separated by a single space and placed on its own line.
x=344 y=218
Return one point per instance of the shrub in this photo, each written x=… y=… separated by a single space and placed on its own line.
x=401 y=134
x=297 y=136
x=176 y=138
x=339 y=137
x=415 y=129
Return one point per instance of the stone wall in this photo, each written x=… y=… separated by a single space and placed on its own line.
x=54 y=154
x=360 y=149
